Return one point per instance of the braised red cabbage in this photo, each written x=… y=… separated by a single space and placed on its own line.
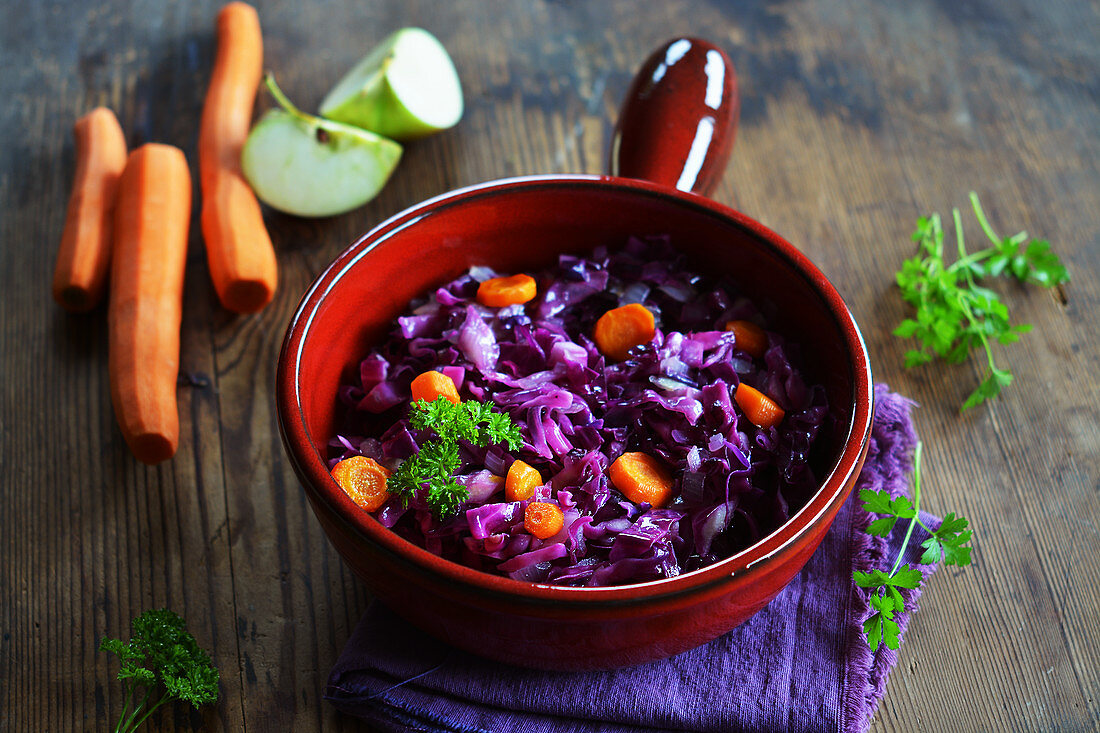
x=577 y=412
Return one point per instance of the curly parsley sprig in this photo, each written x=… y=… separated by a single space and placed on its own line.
x=434 y=466
x=946 y=544
x=161 y=662
x=954 y=314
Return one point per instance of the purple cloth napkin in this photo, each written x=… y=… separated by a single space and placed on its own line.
x=801 y=664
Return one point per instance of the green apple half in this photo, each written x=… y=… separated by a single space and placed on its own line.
x=309 y=166
x=404 y=89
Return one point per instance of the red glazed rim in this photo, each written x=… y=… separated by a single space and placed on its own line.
x=313 y=471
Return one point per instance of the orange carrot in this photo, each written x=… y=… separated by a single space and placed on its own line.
x=498 y=292
x=238 y=247
x=543 y=519
x=430 y=385
x=152 y=215
x=521 y=481
x=621 y=329
x=641 y=479
x=85 y=253
x=758 y=407
x=749 y=337
x=364 y=480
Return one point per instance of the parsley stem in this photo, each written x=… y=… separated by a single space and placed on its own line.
x=959 y=233
x=937 y=227
x=988 y=352
x=152 y=708
x=964 y=260
x=129 y=723
x=975 y=323
x=126 y=707
x=959 y=237
x=982 y=220
x=971 y=259
x=916 y=509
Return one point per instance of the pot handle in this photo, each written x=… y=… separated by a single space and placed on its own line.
x=678 y=121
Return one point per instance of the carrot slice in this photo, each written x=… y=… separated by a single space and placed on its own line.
x=238 y=248
x=623 y=328
x=430 y=385
x=84 y=256
x=498 y=292
x=749 y=337
x=758 y=407
x=543 y=519
x=152 y=215
x=642 y=479
x=364 y=480
x=521 y=481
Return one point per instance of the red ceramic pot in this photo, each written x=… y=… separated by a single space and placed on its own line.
x=677 y=128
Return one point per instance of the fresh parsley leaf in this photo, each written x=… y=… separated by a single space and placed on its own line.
x=880 y=626
x=906 y=577
x=161 y=662
x=432 y=468
x=873 y=579
x=503 y=430
x=954 y=314
x=880 y=502
x=947 y=544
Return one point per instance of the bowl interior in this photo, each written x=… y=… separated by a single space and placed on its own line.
x=525 y=225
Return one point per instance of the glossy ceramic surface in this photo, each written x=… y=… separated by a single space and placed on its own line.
x=524 y=224
x=679 y=119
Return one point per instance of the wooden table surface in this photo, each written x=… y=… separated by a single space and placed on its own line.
x=857 y=118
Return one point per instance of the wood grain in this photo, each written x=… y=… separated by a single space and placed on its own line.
x=857 y=117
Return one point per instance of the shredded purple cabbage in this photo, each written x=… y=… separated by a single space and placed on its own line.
x=672 y=399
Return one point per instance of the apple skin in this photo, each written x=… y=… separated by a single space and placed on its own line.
x=377 y=105
x=308 y=166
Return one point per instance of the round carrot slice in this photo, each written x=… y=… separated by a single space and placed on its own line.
x=499 y=292
x=364 y=480
x=543 y=519
x=621 y=329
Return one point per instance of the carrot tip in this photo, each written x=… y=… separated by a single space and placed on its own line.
x=247 y=296
x=74 y=299
x=152 y=448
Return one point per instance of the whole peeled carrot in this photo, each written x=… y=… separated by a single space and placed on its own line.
x=85 y=252
x=152 y=215
x=238 y=247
